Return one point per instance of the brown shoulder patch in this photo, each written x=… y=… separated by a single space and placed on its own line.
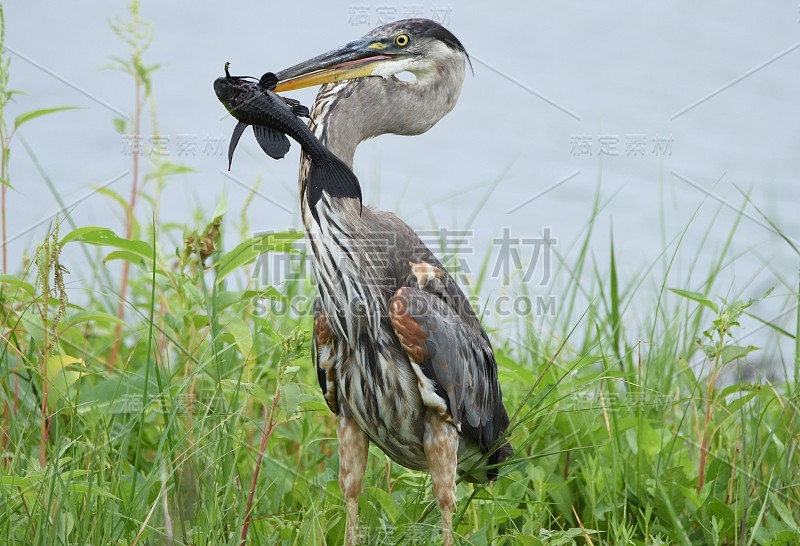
x=323 y=329
x=412 y=337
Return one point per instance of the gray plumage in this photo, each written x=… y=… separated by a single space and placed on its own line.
x=362 y=257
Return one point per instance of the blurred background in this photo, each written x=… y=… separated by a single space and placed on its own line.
x=673 y=125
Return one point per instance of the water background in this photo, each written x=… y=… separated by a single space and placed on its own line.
x=560 y=90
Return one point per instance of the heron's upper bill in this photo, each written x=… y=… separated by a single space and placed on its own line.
x=414 y=45
x=355 y=60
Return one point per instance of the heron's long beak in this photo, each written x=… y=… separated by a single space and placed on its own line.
x=354 y=60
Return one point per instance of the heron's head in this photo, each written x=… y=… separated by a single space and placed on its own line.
x=420 y=46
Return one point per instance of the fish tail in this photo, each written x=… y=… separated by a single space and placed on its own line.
x=331 y=174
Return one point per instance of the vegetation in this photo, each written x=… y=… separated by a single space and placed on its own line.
x=193 y=416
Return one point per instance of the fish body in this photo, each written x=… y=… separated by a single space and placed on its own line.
x=273 y=118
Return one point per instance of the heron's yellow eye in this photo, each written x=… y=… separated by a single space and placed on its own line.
x=401 y=40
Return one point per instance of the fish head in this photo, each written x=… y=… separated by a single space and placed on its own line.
x=235 y=92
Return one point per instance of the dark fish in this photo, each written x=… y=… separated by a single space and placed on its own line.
x=273 y=117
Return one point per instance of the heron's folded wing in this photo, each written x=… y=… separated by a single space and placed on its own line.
x=456 y=359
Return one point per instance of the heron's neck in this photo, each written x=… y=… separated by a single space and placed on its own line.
x=347 y=113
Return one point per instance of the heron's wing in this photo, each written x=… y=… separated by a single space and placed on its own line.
x=323 y=351
x=454 y=363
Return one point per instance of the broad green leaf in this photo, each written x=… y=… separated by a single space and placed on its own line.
x=696 y=297
x=32 y=325
x=242 y=336
x=229 y=297
x=96 y=316
x=127 y=256
x=120 y=393
x=27 y=116
x=23 y=482
x=734 y=406
x=250 y=389
x=101 y=236
x=734 y=352
x=61 y=377
x=19 y=283
x=58 y=363
x=784 y=511
x=528 y=540
x=247 y=252
x=386 y=502
x=292 y=398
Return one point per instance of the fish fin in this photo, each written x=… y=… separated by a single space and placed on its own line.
x=273 y=142
x=333 y=176
x=268 y=81
x=237 y=134
x=301 y=111
x=297 y=109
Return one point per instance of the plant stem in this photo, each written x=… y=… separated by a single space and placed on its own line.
x=269 y=427
x=44 y=276
x=5 y=238
x=129 y=220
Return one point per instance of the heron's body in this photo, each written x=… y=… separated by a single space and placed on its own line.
x=374 y=381
x=401 y=357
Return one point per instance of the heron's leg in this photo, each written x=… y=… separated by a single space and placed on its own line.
x=353 y=449
x=441 y=451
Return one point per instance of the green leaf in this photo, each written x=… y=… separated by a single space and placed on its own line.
x=697 y=297
x=27 y=116
x=120 y=125
x=784 y=512
x=734 y=352
x=114 y=395
x=19 y=283
x=168 y=169
x=733 y=408
x=251 y=389
x=292 y=398
x=113 y=195
x=222 y=206
x=227 y=298
x=61 y=376
x=83 y=487
x=16 y=482
x=96 y=316
x=128 y=257
x=247 y=252
x=242 y=336
x=101 y=236
x=32 y=325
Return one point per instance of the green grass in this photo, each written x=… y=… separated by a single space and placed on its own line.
x=612 y=427
x=210 y=421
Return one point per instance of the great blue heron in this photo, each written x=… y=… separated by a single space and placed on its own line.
x=401 y=357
